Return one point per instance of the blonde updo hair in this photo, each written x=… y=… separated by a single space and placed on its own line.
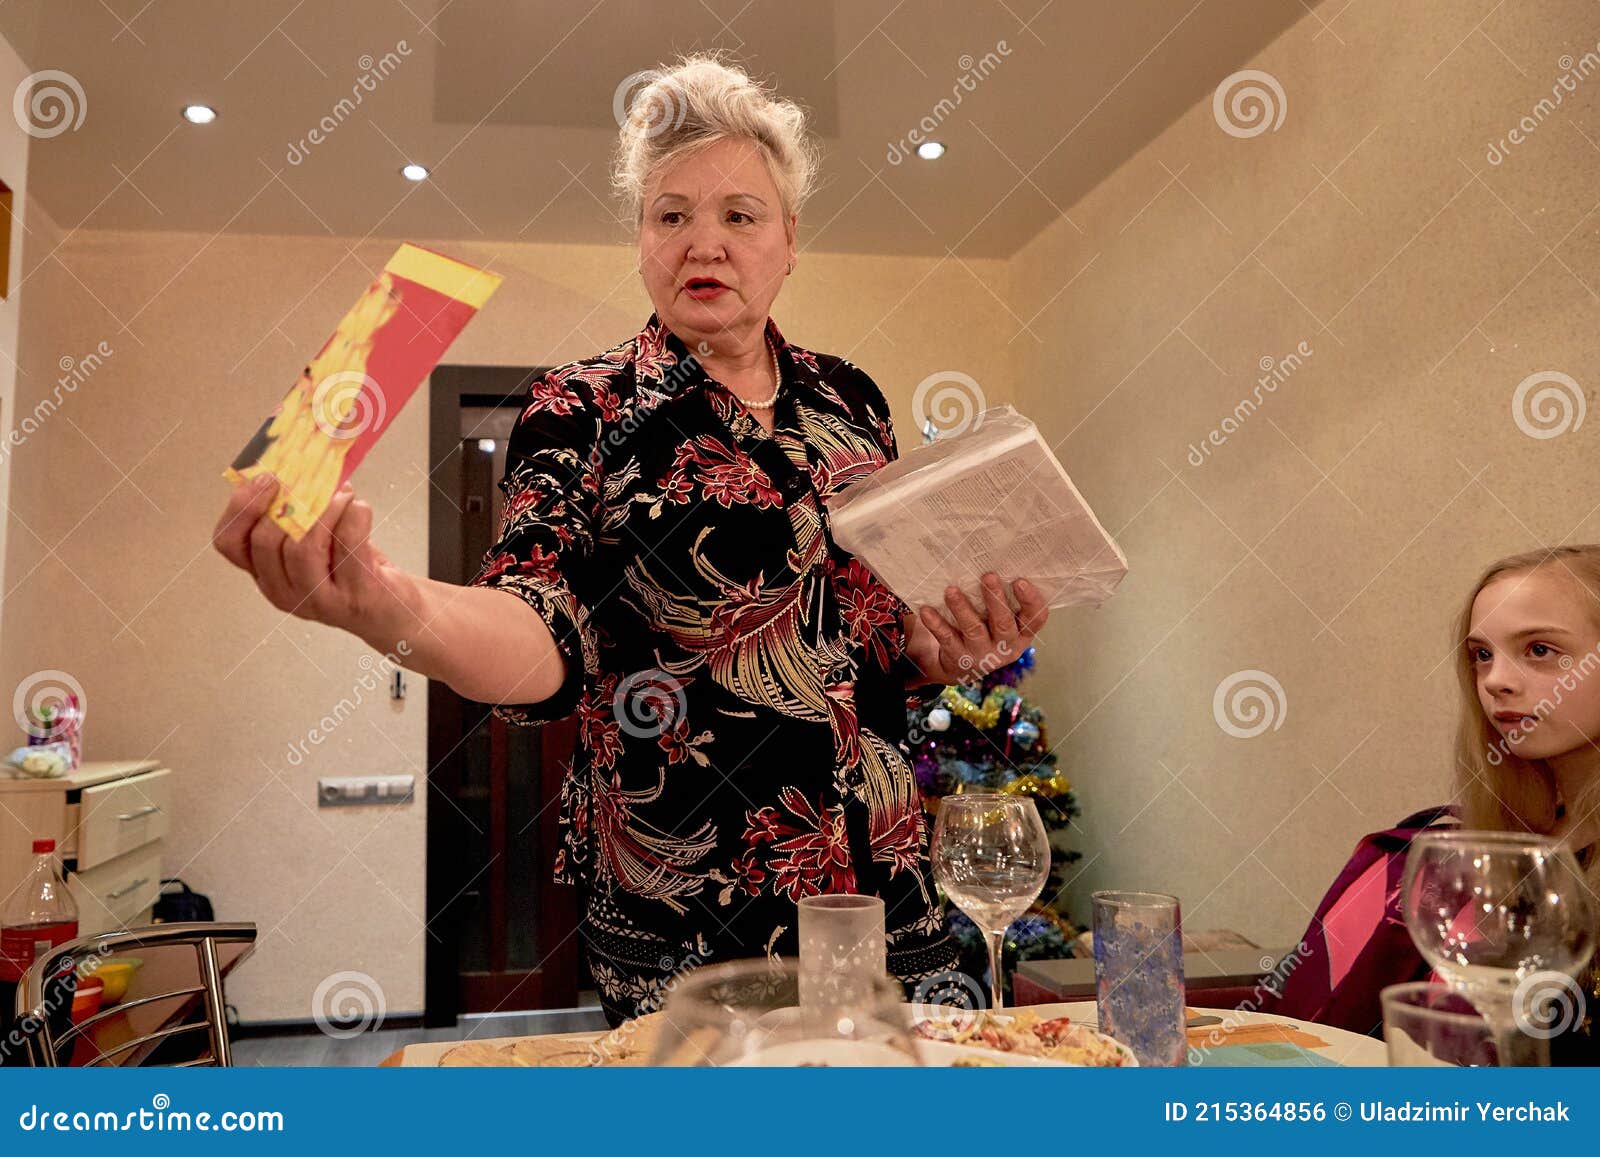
x=673 y=113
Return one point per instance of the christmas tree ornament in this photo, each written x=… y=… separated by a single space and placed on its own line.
x=1025 y=732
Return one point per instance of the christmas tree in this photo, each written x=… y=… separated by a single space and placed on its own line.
x=987 y=737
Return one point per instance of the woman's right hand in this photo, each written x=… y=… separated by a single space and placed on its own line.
x=334 y=575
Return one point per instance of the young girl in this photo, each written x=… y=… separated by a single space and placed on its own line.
x=1528 y=749
x=1527 y=759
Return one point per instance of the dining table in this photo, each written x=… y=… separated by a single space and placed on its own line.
x=1217 y=1038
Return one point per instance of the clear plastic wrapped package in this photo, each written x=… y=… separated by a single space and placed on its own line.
x=993 y=497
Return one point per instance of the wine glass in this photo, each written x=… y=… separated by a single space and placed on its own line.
x=1496 y=914
x=748 y=1013
x=991 y=855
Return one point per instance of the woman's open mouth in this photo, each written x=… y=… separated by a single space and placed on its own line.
x=1511 y=721
x=704 y=288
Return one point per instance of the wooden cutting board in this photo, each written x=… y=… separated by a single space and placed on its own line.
x=629 y=1044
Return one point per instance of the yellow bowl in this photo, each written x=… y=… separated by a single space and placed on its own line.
x=115 y=973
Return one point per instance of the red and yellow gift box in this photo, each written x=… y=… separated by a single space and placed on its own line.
x=355 y=386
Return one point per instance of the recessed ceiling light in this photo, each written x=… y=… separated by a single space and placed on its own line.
x=199 y=114
x=414 y=173
x=930 y=150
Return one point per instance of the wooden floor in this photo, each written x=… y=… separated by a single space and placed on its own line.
x=367 y=1049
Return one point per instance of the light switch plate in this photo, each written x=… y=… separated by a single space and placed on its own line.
x=353 y=790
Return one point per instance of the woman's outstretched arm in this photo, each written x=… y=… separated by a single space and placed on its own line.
x=488 y=645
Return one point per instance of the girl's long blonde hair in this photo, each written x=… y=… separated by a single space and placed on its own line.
x=1500 y=790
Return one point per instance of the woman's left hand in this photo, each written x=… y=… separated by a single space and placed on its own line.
x=962 y=643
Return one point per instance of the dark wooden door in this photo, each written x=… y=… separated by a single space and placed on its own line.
x=502 y=936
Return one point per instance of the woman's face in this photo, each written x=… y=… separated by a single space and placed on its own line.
x=715 y=217
x=1535 y=647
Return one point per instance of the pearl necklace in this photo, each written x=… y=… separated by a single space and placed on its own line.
x=777 y=382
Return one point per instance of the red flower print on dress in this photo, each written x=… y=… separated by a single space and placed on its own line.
x=651 y=355
x=870 y=609
x=727 y=475
x=548 y=396
x=748 y=874
x=841 y=703
x=739 y=482
x=679 y=745
x=809 y=857
x=804 y=357
x=898 y=842
x=540 y=564
x=523 y=501
x=610 y=405
x=599 y=731
x=762 y=826
x=677 y=488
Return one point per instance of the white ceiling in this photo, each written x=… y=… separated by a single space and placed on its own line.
x=510 y=103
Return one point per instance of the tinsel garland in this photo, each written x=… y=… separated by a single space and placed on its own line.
x=984 y=715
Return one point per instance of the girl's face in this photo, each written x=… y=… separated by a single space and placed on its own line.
x=715 y=217
x=1535 y=646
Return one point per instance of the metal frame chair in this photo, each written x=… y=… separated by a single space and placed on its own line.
x=34 y=1014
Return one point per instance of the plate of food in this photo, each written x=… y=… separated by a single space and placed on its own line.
x=1023 y=1038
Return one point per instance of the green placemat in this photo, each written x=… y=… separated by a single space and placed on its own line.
x=1267 y=1055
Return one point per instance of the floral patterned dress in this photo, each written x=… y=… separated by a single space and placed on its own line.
x=739 y=680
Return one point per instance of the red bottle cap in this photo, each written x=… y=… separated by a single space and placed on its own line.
x=43 y=846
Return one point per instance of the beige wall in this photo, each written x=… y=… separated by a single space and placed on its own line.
x=180 y=658
x=1425 y=293
x=1329 y=541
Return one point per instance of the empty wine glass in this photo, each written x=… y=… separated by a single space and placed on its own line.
x=1496 y=914
x=991 y=855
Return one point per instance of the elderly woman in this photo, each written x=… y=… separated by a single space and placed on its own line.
x=665 y=570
